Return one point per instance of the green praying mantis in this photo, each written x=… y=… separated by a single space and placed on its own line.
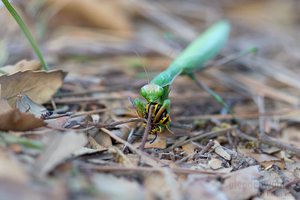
x=192 y=59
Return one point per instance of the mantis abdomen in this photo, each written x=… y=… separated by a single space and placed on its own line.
x=193 y=58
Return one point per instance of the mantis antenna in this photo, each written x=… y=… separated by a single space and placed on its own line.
x=143 y=65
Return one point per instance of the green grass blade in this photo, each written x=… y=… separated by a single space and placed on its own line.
x=12 y=139
x=26 y=31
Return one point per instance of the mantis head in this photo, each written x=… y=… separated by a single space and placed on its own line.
x=152 y=92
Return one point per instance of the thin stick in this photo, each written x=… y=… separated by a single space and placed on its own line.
x=92 y=112
x=270 y=141
x=120 y=169
x=284 y=113
x=199 y=137
x=148 y=160
x=197 y=155
x=207 y=147
x=185 y=158
x=114 y=124
x=147 y=129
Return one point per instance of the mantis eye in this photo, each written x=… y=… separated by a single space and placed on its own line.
x=152 y=92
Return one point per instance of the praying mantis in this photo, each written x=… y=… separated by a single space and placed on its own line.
x=192 y=59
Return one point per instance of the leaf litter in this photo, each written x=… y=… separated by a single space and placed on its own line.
x=79 y=138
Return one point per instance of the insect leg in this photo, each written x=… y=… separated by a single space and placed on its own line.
x=155 y=137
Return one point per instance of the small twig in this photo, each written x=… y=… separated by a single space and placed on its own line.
x=147 y=129
x=148 y=160
x=270 y=141
x=114 y=124
x=199 y=137
x=242 y=135
x=207 y=147
x=120 y=169
x=282 y=114
x=185 y=158
x=113 y=95
x=203 y=151
x=92 y=112
x=55 y=116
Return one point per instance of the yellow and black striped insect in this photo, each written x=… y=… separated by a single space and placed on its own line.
x=160 y=117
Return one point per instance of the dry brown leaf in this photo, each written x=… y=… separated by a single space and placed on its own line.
x=215 y=164
x=263 y=14
x=4 y=106
x=196 y=188
x=159 y=143
x=15 y=120
x=112 y=187
x=109 y=14
x=14 y=181
x=16 y=184
x=61 y=147
x=38 y=86
x=259 y=157
x=103 y=139
x=86 y=151
x=120 y=157
x=159 y=186
x=21 y=66
x=270 y=163
x=94 y=144
x=242 y=184
x=189 y=148
x=11 y=170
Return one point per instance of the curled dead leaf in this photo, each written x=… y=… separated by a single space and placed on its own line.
x=61 y=147
x=109 y=14
x=25 y=104
x=39 y=86
x=242 y=184
x=270 y=163
x=21 y=66
x=14 y=120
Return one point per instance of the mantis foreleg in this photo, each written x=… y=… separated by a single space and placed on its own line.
x=140 y=107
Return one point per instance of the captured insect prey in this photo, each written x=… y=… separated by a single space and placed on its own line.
x=192 y=59
x=160 y=117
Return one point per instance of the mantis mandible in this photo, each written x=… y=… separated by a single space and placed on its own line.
x=192 y=59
